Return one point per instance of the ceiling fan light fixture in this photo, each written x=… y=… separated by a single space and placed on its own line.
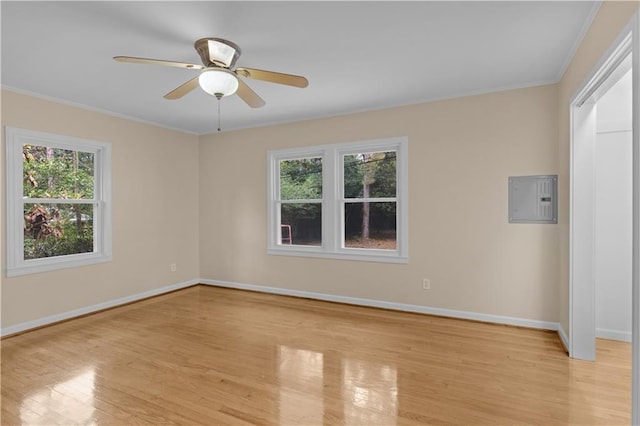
x=218 y=82
x=218 y=77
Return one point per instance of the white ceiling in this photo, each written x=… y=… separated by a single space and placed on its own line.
x=357 y=55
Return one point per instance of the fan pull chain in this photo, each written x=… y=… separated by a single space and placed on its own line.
x=219 y=96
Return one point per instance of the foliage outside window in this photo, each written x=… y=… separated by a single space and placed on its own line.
x=57 y=202
x=370 y=200
x=301 y=201
x=340 y=201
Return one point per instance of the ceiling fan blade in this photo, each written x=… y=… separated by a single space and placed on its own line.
x=183 y=89
x=249 y=96
x=135 y=60
x=274 y=77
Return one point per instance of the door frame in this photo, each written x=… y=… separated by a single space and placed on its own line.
x=582 y=326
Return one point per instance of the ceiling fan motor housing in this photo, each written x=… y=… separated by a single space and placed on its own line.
x=208 y=49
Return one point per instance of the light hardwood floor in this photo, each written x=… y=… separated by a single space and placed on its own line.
x=214 y=356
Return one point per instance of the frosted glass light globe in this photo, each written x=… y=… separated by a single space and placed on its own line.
x=218 y=82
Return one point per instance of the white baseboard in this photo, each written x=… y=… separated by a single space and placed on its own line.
x=520 y=322
x=563 y=337
x=603 y=333
x=51 y=319
x=497 y=319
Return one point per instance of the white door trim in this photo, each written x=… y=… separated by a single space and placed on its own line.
x=581 y=229
x=635 y=328
x=582 y=327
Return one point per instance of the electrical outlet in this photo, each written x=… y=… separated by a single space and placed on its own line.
x=173 y=267
x=426 y=284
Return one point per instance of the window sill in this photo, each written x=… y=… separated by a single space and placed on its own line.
x=51 y=264
x=379 y=255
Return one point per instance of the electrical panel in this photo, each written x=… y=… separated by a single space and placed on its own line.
x=533 y=199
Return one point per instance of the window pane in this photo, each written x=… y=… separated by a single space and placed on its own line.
x=370 y=175
x=301 y=224
x=301 y=179
x=370 y=225
x=57 y=173
x=57 y=229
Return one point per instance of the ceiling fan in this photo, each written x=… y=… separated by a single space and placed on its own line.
x=218 y=77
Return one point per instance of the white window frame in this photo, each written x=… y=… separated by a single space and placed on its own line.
x=333 y=201
x=16 y=264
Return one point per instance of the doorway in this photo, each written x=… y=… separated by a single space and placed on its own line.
x=613 y=209
x=625 y=52
x=589 y=240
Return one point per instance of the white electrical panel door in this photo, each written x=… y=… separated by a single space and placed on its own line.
x=533 y=199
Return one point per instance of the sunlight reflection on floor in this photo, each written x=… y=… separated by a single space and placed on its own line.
x=71 y=400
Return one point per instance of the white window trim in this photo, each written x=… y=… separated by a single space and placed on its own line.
x=332 y=198
x=16 y=264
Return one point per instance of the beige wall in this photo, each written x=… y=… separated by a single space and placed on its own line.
x=609 y=22
x=155 y=212
x=461 y=153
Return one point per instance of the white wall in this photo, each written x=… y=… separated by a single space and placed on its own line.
x=613 y=183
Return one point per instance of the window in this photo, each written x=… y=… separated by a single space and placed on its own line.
x=58 y=202
x=300 y=201
x=346 y=201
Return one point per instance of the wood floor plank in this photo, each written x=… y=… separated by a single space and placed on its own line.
x=213 y=356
